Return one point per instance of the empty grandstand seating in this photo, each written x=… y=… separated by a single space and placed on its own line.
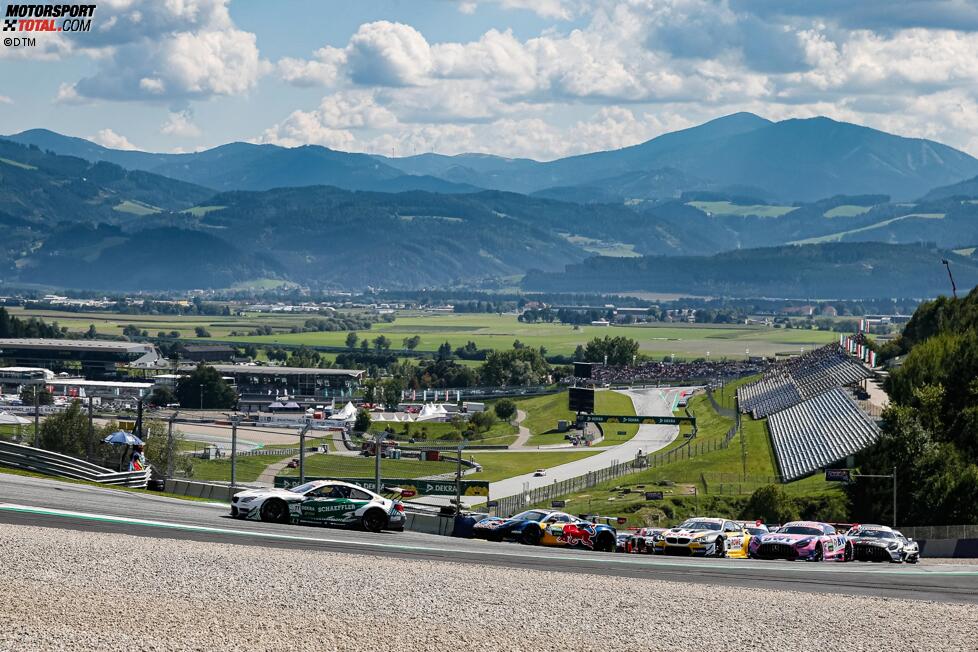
x=818 y=432
x=804 y=377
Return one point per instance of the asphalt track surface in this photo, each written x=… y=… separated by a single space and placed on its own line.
x=50 y=503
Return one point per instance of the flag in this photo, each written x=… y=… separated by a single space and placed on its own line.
x=872 y=358
x=842 y=339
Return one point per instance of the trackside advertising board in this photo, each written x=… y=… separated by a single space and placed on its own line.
x=421 y=487
x=662 y=421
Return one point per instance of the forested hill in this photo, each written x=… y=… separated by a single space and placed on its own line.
x=830 y=271
x=930 y=430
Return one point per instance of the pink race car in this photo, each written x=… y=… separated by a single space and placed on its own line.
x=808 y=540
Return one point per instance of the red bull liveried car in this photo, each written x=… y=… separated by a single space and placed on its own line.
x=547 y=528
x=805 y=540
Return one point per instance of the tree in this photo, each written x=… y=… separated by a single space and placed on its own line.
x=505 y=409
x=44 y=397
x=514 y=367
x=411 y=343
x=67 y=432
x=364 y=345
x=251 y=351
x=351 y=340
x=362 y=423
x=382 y=343
x=157 y=448
x=618 y=350
x=205 y=388
x=131 y=330
x=91 y=333
x=444 y=351
x=200 y=331
x=771 y=504
x=392 y=393
x=161 y=397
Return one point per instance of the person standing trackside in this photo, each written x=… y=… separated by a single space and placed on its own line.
x=138 y=460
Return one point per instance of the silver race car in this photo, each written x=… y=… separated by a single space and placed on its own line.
x=881 y=543
x=327 y=502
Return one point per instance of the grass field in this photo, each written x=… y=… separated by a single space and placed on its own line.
x=836 y=237
x=728 y=208
x=846 y=210
x=498 y=466
x=486 y=330
x=543 y=412
x=248 y=468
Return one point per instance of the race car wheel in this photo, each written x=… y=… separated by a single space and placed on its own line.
x=849 y=553
x=720 y=548
x=605 y=542
x=373 y=520
x=531 y=535
x=913 y=560
x=818 y=553
x=275 y=511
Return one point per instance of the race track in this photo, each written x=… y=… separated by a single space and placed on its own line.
x=50 y=503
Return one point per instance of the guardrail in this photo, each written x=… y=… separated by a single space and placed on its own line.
x=941 y=532
x=39 y=460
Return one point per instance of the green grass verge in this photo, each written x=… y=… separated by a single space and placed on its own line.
x=499 y=466
x=248 y=468
x=344 y=466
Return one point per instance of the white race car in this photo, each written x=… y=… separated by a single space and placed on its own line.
x=329 y=502
x=881 y=543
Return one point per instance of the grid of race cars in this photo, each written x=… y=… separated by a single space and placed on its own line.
x=332 y=502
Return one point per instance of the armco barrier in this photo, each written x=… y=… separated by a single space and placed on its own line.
x=217 y=492
x=429 y=524
x=39 y=460
x=942 y=548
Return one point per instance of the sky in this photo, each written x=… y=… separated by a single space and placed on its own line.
x=520 y=78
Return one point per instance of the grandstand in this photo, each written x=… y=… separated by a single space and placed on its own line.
x=804 y=377
x=818 y=432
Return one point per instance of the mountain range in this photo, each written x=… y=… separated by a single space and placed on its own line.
x=790 y=160
x=73 y=212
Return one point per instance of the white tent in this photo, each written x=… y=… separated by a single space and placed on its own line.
x=348 y=413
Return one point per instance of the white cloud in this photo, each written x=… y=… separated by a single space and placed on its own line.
x=5 y=100
x=68 y=95
x=185 y=65
x=388 y=54
x=112 y=140
x=159 y=50
x=555 y=9
x=180 y=124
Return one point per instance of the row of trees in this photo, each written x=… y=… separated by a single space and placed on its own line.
x=930 y=430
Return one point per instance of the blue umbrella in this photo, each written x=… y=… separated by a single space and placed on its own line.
x=123 y=437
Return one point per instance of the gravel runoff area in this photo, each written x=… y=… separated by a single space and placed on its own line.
x=68 y=590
